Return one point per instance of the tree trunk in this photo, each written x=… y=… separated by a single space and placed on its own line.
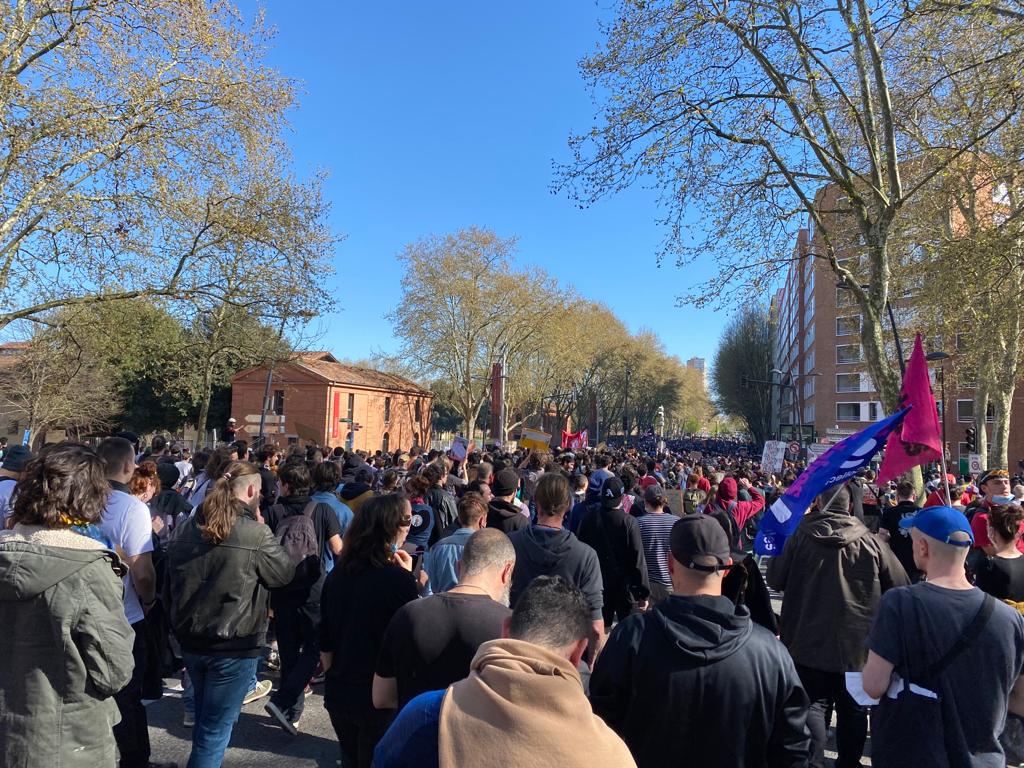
x=999 y=451
x=980 y=410
x=204 y=405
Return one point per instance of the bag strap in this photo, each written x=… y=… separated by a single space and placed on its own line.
x=969 y=636
x=310 y=509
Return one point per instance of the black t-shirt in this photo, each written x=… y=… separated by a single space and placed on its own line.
x=922 y=622
x=355 y=610
x=899 y=539
x=430 y=643
x=1002 y=577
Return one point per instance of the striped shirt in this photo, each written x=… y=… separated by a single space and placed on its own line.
x=655 y=529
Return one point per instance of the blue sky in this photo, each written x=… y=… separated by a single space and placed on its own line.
x=433 y=116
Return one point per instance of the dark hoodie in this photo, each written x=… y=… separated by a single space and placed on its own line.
x=696 y=682
x=505 y=516
x=833 y=571
x=542 y=551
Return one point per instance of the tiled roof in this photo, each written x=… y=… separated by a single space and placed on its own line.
x=325 y=365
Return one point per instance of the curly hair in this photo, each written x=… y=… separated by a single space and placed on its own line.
x=65 y=485
x=143 y=478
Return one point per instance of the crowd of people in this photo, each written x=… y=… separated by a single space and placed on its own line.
x=589 y=608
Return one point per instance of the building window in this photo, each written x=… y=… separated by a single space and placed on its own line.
x=809 y=361
x=351 y=407
x=809 y=413
x=847 y=382
x=965 y=411
x=847 y=411
x=845 y=298
x=874 y=411
x=419 y=411
x=387 y=410
x=278 y=403
x=385 y=443
x=848 y=326
x=967 y=379
x=809 y=387
x=848 y=353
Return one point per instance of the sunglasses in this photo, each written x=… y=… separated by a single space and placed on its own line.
x=406 y=521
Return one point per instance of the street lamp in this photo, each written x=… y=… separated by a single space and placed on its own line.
x=892 y=319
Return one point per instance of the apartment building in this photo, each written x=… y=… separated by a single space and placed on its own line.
x=819 y=361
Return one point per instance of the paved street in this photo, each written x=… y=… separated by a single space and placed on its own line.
x=256 y=741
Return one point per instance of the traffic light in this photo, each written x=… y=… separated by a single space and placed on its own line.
x=971 y=436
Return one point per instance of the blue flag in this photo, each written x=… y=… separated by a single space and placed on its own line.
x=837 y=465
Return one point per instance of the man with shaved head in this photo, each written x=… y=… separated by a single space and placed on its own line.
x=961 y=651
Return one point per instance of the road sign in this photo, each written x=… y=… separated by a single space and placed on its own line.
x=270 y=418
x=794 y=448
x=974 y=463
x=344 y=421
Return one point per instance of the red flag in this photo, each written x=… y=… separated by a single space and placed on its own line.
x=567 y=438
x=919 y=440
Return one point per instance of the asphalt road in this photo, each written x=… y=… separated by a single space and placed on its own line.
x=257 y=739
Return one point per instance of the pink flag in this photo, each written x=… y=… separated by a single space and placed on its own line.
x=919 y=440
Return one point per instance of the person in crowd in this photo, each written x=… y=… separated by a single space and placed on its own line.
x=522 y=703
x=372 y=580
x=602 y=462
x=441 y=560
x=945 y=636
x=188 y=485
x=995 y=488
x=221 y=564
x=66 y=644
x=430 y=643
x=733 y=514
x=168 y=508
x=899 y=538
x=325 y=478
x=693 y=497
x=183 y=462
x=442 y=504
x=423 y=520
x=548 y=549
x=126 y=523
x=503 y=514
x=655 y=531
x=696 y=676
x=145 y=484
x=833 y=572
x=1002 y=573
x=212 y=470
x=615 y=537
x=308 y=530
x=268 y=457
x=14 y=462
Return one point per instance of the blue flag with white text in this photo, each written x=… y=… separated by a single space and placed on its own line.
x=837 y=465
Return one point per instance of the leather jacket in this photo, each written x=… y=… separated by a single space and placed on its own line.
x=218 y=592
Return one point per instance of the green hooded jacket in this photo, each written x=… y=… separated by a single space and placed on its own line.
x=65 y=646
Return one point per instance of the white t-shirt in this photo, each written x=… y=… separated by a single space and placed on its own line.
x=126 y=522
x=184 y=469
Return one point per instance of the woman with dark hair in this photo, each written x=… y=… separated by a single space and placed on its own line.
x=221 y=562
x=1002 y=574
x=371 y=582
x=215 y=467
x=423 y=518
x=66 y=644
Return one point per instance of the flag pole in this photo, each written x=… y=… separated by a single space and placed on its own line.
x=945 y=477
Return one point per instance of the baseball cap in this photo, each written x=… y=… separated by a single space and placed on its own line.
x=698 y=535
x=940 y=523
x=654 y=493
x=505 y=482
x=611 y=492
x=16 y=458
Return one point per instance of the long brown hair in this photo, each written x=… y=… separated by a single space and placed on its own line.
x=371 y=532
x=65 y=485
x=220 y=508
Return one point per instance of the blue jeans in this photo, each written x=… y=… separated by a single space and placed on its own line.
x=219 y=686
x=188 y=695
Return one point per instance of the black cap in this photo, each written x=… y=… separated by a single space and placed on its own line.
x=654 y=494
x=16 y=458
x=611 y=492
x=698 y=535
x=505 y=482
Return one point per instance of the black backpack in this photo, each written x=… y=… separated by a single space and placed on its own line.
x=297 y=535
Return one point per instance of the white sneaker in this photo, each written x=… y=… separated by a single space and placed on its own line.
x=263 y=688
x=189 y=720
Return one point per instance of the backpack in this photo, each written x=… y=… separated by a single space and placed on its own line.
x=692 y=498
x=297 y=535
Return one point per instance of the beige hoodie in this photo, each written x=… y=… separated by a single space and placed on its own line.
x=523 y=706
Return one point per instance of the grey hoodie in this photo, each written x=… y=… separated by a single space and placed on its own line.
x=833 y=571
x=542 y=551
x=66 y=649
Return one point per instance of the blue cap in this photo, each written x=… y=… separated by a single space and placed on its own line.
x=940 y=523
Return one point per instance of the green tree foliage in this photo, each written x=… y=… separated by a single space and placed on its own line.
x=745 y=353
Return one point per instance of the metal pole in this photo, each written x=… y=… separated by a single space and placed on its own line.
x=942 y=453
x=266 y=390
x=896 y=338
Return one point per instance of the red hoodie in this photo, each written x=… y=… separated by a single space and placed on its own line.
x=744 y=510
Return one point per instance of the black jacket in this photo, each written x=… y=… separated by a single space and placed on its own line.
x=505 y=516
x=549 y=552
x=615 y=536
x=218 y=592
x=696 y=682
x=446 y=512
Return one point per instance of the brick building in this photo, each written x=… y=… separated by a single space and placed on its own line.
x=315 y=399
x=826 y=388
